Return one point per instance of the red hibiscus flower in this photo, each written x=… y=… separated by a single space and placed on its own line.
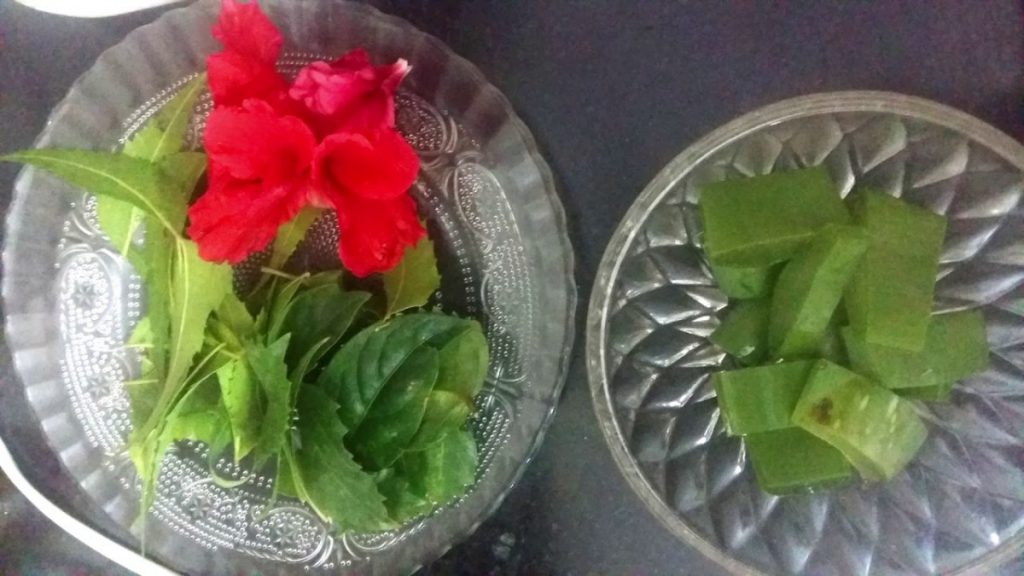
x=258 y=180
x=327 y=140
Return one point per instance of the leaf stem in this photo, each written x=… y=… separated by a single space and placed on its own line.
x=273 y=272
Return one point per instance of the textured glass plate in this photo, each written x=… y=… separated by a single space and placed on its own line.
x=959 y=508
x=71 y=300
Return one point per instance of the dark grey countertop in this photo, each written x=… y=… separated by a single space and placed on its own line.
x=612 y=90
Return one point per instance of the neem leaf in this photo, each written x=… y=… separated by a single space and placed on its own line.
x=240 y=392
x=158 y=141
x=268 y=366
x=413 y=280
x=199 y=416
x=236 y=317
x=322 y=313
x=395 y=415
x=358 y=371
x=464 y=363
x=328 y=478
x=444 y=470
x=282 y=298
x=135 y=181
x=165 y=133
x=446 y=412
x=290 y=234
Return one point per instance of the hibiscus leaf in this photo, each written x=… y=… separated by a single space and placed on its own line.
x=135 y=181
x=413 y=280
x=444 y=470
x=290 y=234
x=364 y=364
x=401 y=503
x=396 y=413
x=324 y=473
x=446 y=412
x=464 y=363
x=322 y=313
x=240 y=393
x=268 y=366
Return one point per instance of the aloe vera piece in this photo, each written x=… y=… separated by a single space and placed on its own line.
x=792 y=460
x=809 y=290
x=744 y=283
x=955 y=347
x=876 y=430
x=889 y=301
x=756 y=222
x=744 y=332
x=760 y=399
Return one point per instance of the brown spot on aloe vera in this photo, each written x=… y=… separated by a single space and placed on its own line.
x=822 y=411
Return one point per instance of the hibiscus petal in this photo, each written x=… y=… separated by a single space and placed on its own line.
x=236 y=218
x=233 y=78
x=246 y=30
x=376 y=166
x=373 y=234
x=254 y=143
x=349 y=94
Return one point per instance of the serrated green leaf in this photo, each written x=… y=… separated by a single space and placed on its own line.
x=241 y=397
x=413 y=280
x=358 y=371
x=183 y=169
x=131 y=180
x=290 y=234
x=282 y=298
x=464 y=363
x=268 y=366
x=328 y=478
x=396 y=413
x=322 y=313
x=401 y=503
x=445 y=412
x=444 y=470
x=165 y=133
x=236 y=317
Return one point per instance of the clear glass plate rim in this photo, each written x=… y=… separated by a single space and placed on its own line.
x=598 y=313
x=128 y=557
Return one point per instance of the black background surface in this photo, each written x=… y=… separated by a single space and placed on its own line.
x=612 y=90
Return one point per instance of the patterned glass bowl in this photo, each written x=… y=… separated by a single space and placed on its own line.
x=70 y=301
x=959 y=508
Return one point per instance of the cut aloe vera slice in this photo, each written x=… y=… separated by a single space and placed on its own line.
x=809 y=290
x=876 y=430
x=744 y=332
x=744 y=283
x=756 y=222
x=792 y=460
x=955 y=347
x=889 y=301
x=760 y=399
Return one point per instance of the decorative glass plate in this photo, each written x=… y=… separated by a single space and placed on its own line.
x=959 y=508
x=70 y=300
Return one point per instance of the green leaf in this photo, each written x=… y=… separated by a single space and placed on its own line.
x=328 y=478
x=282 y=298
x=401 y=503
x=446 y=412
x=443 y=471
x=395 y=415
x=290 y=234
x=322 y=313
x=464 y=363
x=268 y=366
x=199 y=416
x=131 y=180
x=241 y=397
x=165 y=133
x=158 y=141
x=236 y=317
x=358 y=371
x=413 y=280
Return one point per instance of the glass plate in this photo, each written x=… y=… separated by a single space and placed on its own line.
x=70 y=301
x=959 y=508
